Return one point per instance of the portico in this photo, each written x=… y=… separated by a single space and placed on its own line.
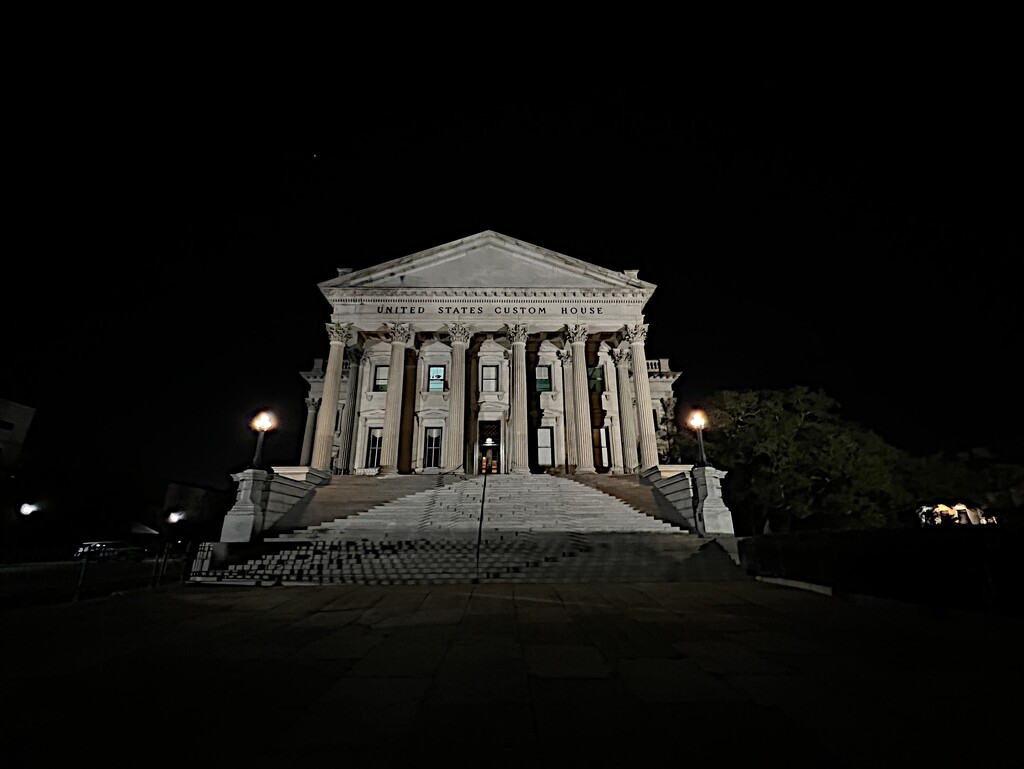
x=486 y=343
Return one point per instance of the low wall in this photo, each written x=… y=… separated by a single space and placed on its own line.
x=970 y=568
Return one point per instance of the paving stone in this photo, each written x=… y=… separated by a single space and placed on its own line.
x=566 y=661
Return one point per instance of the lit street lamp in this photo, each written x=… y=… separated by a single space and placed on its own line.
x=698 y=421
x=261 y=423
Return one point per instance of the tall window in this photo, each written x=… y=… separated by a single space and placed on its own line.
x=380 y=379
x=435 y=379
x=543 y=379
x=432 y=447
x=373 y=444
x=595 y=379
x=545 y=447
x=489 y=379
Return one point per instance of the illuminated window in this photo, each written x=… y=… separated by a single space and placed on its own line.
x=543 y=379
x=380 y=379
x=595 y=379
x=435 y=379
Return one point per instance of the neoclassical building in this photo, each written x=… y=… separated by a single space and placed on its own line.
x=486 y=348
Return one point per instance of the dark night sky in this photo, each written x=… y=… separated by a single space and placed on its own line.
x=852 y=232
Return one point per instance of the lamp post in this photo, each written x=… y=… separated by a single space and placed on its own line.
x=698 y=421
x=261 y=423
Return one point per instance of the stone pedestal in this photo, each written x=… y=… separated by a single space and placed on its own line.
x=320 y=477
x=711 y=508
x=244 y=522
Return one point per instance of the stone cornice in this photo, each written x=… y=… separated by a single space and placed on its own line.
x=393 y=294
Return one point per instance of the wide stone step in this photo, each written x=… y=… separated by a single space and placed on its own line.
x=530 y=528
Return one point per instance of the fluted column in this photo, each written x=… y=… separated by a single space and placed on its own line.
x=355 y=355
x=636 y=336
x=565 y=356
x=454 y=435
x=307 y=434
x=340 y=335
x=399 y=334
x=627 y=411
x=519 y=458
x=577 y=336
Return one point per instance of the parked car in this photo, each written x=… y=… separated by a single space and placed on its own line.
x=110 y=550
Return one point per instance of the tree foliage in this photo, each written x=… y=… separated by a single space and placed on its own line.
x=796 y=464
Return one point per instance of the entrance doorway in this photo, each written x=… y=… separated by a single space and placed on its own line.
x=489 y=447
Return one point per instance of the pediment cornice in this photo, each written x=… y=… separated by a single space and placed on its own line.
x=504 y=293
x=488 y=264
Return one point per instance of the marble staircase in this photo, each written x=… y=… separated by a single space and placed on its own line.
x=478 y=529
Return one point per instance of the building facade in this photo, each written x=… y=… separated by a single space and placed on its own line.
x=486 y=354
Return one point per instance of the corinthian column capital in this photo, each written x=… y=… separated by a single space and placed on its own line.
x=400 y=333
x=636 y=334
x=459 y=332
x=518 y=332
x=340 y=333
x=565 y=356
x=621 y=356
x=576 y=333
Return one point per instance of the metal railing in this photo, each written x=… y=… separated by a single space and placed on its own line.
x=44 y=582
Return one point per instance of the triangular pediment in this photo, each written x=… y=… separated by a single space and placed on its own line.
x=489 y=261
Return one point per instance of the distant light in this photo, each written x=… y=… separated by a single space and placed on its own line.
x=175 y=517
x=489 y=442
x=263 y=421
x=28 y=508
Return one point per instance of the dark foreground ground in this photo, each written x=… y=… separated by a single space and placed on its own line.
x=696 y=674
